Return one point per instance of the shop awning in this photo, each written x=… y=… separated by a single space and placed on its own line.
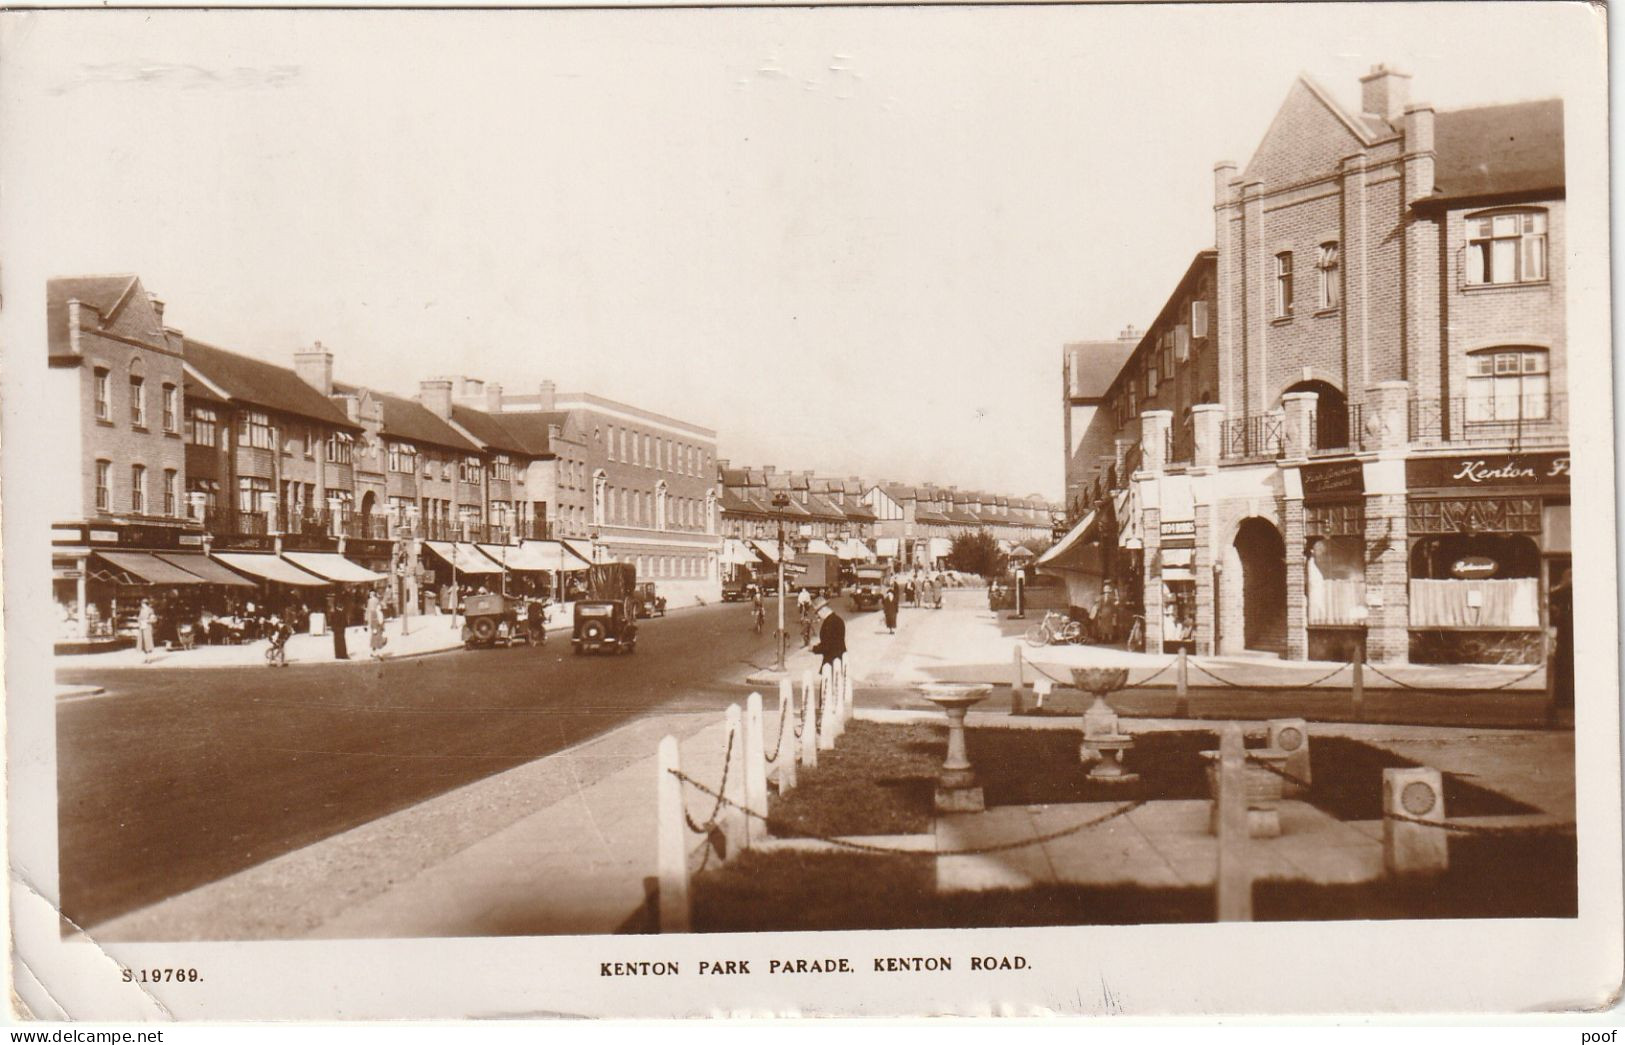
x=817 y=546
x=536 y=557
x=1063 y=549
x=766 y=549
x=270 y=568
x=735 y=553
x=464 y=558
x=207 y=570
x=941 y=548
x=334 y=567
x=886 y=547
x=148 y=568
x=854 y=550
x=580 y=549
x=1176 y=564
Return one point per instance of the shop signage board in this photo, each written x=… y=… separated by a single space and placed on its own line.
x=1488 y=471
x=1474 y=567
x=67 y=535
x=308 y=542
x=245 y=542
x=1180 y=533
x=1332 y=480
x=359 y=547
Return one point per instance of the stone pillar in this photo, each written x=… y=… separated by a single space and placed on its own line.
x=335 y=524
x=82 y=567
x=1231 y=606
x=199 y=505
x=1151 y=563
x=1297 y=602
x=1202 y=563
x=1419 y=304
x=1226 y=209
x=1387 y=417
x=271 y=505
x=1207 y=431
x=1255 y=262
x=1155 y=429
x=1298 y=432
x=1387 y=581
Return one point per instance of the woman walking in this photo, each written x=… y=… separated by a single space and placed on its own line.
x=888 y=606
x=375 y=623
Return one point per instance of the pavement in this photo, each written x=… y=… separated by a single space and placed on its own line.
x=434 y=633
x=573 y=850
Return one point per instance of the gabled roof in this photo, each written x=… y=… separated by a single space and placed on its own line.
x=926 y=515
x=898 y=492
x=486 y=429
x=410 y=420
x=1499 y=149
x=857 y=510
x=102 y=293
x=823 y=507
x=736 y=477
x=732 y=502
x=1093 y=365
x=248 y=380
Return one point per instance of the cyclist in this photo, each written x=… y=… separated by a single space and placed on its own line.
x=277 y=655
x=757 y=609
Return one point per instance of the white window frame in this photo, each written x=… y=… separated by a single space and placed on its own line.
x=1329 y=265
x=1283 y=285
x=1505 y=247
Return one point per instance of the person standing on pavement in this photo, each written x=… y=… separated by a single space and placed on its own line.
x=888 y=606
x=146 y=619
x=337 y=619
x=831 y=633
x=375 y=622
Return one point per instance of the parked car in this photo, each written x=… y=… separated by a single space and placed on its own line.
x=648 y=602
x=496 y=620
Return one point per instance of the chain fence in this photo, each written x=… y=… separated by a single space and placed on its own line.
x=778 y=733
x=1204 y=669
x=1127 y=685
x=711 y=821
x=867 y=847
x=1450 y=689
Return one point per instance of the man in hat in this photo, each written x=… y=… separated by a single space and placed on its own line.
x=831 y=632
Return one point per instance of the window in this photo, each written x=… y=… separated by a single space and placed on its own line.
x=403 y=458
x=254 y=429
x=1198 y=319
x=1508 y=384
x=104 y=486
x=138 y=489
x=1326 y=265
x=339 y=446
x=310 y=442
x=502 y=467
x=611 y=442
x=203 y=425
x=1151 y=375
x=648 y=456
x=138 y=402
x=171 y=491
x=172 y=413
x=445 y=470
x=1283 y=285
x=104 y=396
x=1509 y=247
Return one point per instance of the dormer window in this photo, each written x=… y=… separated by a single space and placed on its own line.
x=1506 y=247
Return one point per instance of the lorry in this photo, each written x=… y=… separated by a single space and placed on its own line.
x=820 y=573
x=869 y=582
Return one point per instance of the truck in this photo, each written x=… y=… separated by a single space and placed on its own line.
x=868 y=584
x=822 y=574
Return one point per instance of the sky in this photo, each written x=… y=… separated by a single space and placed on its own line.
x=851 y=240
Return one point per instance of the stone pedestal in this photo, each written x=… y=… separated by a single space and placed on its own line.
x=957 y=790
x=1264 y=791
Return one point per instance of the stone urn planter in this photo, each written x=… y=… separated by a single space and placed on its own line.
x=1103 y=742
x=957 y=790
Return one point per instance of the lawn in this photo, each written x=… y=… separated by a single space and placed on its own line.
x=880 y=778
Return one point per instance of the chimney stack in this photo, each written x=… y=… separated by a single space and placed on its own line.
x=1384 y=93
x=1129 y=333
x=157 y=306
x=435 y=394
x=314 y=365
x=493 y=398
x=548 y=396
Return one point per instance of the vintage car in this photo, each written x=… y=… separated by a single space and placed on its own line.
x=491 y=620
x=649 y=603
x=602 y=624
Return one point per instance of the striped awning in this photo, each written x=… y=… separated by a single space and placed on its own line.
x=209 y=571
x=271 y=568
x=333 y=566
x=148 y=569
x=463 y=557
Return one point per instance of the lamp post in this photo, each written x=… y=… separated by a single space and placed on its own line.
x=781 y=501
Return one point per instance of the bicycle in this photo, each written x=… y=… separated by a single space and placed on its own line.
x=1136 y=635
x=1055 y=627
x=761 y=618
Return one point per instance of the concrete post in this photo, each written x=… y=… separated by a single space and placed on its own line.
x=1182 y=683
x=755 y=772
x=826 y=712
x=731 y=817
x=784 y=766
x=1232 y=884
x=809 y=722
x=671 y=841
x=1207 y=432
x=1155 y=426
x=1410 y=848
x=849 y=702
x=1017 y=697
x=1387 y=416
x=1298 y=433
x=1296 y=564
x=1292 y=736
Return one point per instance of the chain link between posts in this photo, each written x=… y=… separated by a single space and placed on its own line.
x=711 y=821
x=1437 y=689
x=866 y=847
x=1127 y=685
x=1204 y=669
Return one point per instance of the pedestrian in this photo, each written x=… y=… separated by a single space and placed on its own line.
x=146 y=619
x=888 y=606
x=337 y=619
x=375 y=623
x=831 y=633
x=909 y=590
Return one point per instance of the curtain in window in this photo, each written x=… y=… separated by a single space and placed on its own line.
x=1510 y=603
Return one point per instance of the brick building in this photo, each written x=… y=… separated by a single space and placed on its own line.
x=1386 y=458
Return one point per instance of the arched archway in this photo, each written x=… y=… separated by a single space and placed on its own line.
x=369 y=503
x=1262 y=556
x=1331 y=431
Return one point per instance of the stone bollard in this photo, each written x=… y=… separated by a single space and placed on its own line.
x=671 y=864
x=1018 y=698
x=849 y=696
x=755 y=772
x=784 y=766
x=837 y=696
x=809 y=722
x=1182 y=687
x=1042 y=688
x=1407 y=848
x=731 y=817
x=1232 y=882
x=1292 y=736
x=826 y=715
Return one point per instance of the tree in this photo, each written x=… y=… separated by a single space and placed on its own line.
x=975 y=551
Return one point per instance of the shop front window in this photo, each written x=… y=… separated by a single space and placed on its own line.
x=1475 y=581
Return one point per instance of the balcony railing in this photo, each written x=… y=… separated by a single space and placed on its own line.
x=367 y=527
x=309 y=521
x=1517 y=420
x=1337 y=431
x=535 y=530
x=1253 y=437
